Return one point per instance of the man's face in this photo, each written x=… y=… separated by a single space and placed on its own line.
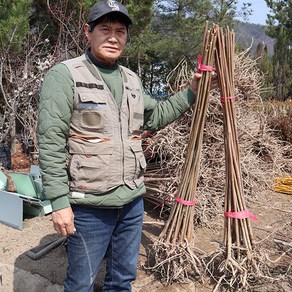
x=107 y=40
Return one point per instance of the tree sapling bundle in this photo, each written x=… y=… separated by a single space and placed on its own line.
x=174 y=256
x=238 y=237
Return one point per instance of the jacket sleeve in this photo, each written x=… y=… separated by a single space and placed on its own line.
x=55 y=110
x=158 y=114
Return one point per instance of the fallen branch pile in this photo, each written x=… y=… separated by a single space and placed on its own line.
x=263 y=155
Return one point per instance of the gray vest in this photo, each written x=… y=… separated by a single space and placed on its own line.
x=104 y=141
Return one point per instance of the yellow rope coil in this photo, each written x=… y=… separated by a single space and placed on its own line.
x=283 y=185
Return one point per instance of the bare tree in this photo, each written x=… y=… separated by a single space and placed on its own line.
x=21 y=76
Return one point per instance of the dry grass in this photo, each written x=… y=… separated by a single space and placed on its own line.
x=263 y=156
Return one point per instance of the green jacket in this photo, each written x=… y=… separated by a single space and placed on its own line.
x=55 y=112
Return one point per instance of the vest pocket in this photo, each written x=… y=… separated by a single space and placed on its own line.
x=140 y=162
x=136 y=109
x=92 y=111
x=90 y=173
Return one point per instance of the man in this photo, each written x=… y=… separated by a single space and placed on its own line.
x=92 y=114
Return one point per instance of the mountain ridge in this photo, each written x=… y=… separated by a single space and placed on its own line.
x=251 y=34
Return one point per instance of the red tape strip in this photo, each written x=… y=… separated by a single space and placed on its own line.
x=241 y=215
x=227 y=97
x=202 y=67
x=184 y=202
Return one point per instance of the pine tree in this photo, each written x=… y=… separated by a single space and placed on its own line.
x=265 y=65
x=14 y=24
x=280 y=27
x=282 y=66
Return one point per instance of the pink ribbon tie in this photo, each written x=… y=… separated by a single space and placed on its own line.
x=227 y=97
x=202 y=67
x=241 y=215
x=184 y=202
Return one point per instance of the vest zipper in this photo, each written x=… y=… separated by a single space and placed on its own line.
x=123 y=147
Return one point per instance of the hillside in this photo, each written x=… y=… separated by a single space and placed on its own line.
x=250 y=33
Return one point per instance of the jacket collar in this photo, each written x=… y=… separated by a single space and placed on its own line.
x=99 y=63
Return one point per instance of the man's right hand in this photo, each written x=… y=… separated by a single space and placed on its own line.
x=63 y=221
x=194 y=83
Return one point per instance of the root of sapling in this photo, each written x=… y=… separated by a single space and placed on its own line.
x=175 y=262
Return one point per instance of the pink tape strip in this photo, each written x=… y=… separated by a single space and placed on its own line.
x=184 y=202
x=202 y=67
x=241 y=215
x=227 y=97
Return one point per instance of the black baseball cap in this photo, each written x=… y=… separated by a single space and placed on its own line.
x=102 y=8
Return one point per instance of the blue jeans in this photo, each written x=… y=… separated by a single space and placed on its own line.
x=113 y=234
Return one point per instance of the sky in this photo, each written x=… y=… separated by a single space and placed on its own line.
x=260 y=11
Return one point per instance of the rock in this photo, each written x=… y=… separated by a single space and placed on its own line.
x=17 y=280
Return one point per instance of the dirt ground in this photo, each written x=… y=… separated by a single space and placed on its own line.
x=19 y=273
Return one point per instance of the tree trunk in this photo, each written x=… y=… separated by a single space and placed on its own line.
x=13 y=134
